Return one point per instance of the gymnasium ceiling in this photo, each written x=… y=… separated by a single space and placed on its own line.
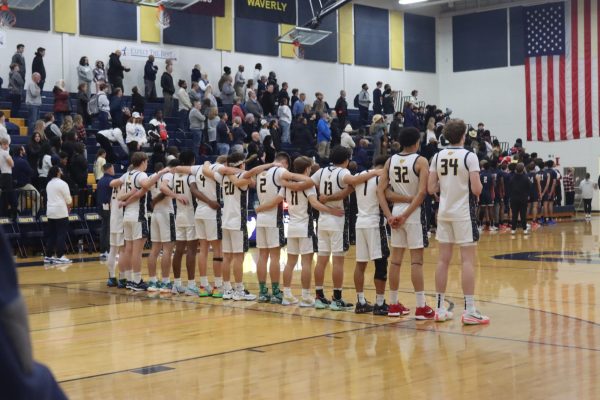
x=445 y=7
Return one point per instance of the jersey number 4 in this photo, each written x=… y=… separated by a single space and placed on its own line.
x=449 y=163
x=401 y=174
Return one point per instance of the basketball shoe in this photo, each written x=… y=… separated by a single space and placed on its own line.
x=289 y=300
x=474 y=318
x=424 y=313
x=442 y=315
x=363 y=308
x=307 y=302
x=397 y=310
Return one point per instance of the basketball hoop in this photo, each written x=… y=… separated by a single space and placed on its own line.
x=163 y=18
x=298 y=50
x=7 y=18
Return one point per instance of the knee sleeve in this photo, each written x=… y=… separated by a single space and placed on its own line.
x=217 y=259
x=381 y=269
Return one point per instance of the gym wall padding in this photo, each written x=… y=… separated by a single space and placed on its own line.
x=113 y=19
x=37 y=19
x=480 y=40
x=192 y=30
x=397 y=40
x=419 y=43
x=224 y=28
x=517 y=42
x=346 y=36
x=149 y=32
x=65 y=16
x=371 y=37
x=256 y=37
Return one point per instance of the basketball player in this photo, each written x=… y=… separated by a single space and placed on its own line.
x=334 y=185
x=117 y=243
x=269 y=224
x=162 y=231
x=301 y=239
x=371 y=243
x=454 y=173
x=534 y=194
x=486 y=201
x=185 y=230
x=135 y=224
x=406 y=175
x=235 y=216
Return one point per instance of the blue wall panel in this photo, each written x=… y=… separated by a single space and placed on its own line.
x=191 y=30
x=325 y=50
x=371 y=37
x=480 y=41
x=38 y=18
x=419 y=43
x=256 y=37
x=113 y=19
x=517 y=40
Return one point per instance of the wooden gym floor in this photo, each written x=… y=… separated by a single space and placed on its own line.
x=543 y=341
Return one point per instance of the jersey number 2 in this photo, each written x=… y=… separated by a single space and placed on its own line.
x=401 y=174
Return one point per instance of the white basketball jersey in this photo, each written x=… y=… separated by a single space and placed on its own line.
x=268 y=187
x=453 y=165
x=235 y=204
x=369 y=214
x=116 y=213
x=136 y=211
x=210 y=188
x=300 y=224
x=331 y=181
x=404 y=180
x=165 y=206
x=185 y=212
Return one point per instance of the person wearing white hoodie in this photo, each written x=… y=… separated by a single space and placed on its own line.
x=346 y=139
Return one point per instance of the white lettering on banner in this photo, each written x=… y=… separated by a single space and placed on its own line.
x=268 y=4
x=133 y=52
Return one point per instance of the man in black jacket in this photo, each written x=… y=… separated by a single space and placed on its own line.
x=150 y=79
x=377 y=104
x=520 y=186
x=267 y=101
x=168 y=87
x=341 y=108
x=38 y=66
x=115 y=71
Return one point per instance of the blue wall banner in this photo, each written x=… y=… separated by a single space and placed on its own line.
x=280 y=11
x=214 y=8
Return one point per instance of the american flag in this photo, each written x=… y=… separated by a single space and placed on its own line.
x=561 y=70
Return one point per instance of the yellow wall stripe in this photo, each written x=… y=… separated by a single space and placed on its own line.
x=65 y=16
x=397 y=39
x=149 y=31
x=224 y=28
x=286 y=50
x=346 y=34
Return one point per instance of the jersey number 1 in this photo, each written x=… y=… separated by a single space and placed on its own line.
x=328 y=189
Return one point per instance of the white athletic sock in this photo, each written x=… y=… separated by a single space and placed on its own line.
x=227 y=285
x=239 y=287
x=111 y=261
x=361 y=297
x=136 y=277
x=470 y=303
x=306 y=293
x=191 y=284
x=218 y=281
x=420 y=299
x=380 y=299
x=204 y=281
x=393 y=297
x=440 y=300
x=287 y=292
x=166 y=280
x=152 y=279
x=177 y=282
x=128 y=275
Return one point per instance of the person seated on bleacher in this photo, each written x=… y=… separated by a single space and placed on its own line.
x=157 y=128
x=50 y=128
x=361 y=156
x=3 y=131
x=106 y=138
x=135 y=133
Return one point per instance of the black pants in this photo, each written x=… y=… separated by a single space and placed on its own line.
x=15 y=100
x=363 y=113
x=569 y=198
x=105 y=231
x=519 y=208
x=7 y=196
x=150 y=90
x=57 y=236
x=107 y=146
x=587 y=206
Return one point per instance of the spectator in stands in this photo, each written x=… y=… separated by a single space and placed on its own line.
x=59 y=202
x=238 y=136
x=34 y=148
x=303 y=137
x=104 y=115
x=135 y=133
x=388 y=104
x=377 y=130
x=222 y=130
x=7 y=196
x=253 y=106
x=185 y=105
x=106 y=138
x=255 y=147
x=202 y=85
x=294 y=97
x=267 y=101
x=82 y=102
x=587 y=194
x=85 y=73
x=16 y=84
x=168 y=88
x=336 y=130
x=346 y=139
x=272 y=80
x=193 y=93
x=43 y=166
x=569 y=187
x=227 y=94
x=319 y=106
x=38 y=66
x=264 y=129
x=33 y=100
x=51 y=130
x=262 y=86
x=23 y=176
x=275 y=133
x=224 y=77
x=377 y=99
x=236 y=110
x=99 y=164
x=99 y=75
x=285 y=120
x=224 y=139
x=323 y=137
x=62 y=104
x=249 y=124
x=249 y=88
x=103 y=198
x=413 y=97
x=196 y=120
x=157 y=131
x=116 y=107
x=67 y=127
x=18 y=59
x=196 y=75
x=3 y=132
x=298 y=107
x=208 y=95
x=240 y=82
x=364 y=102
x=257 y=73
x=150 y=71
x=341 y=108
x=212 y=121
x=283 y=93
x=520 y=187
x=410 y=119
x=79 y=172
x=116 y=70
x=361 y=157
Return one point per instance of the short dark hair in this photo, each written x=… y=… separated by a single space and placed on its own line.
x=339 y=155
x=455 y=130
x=158 y=166
x=181 y=83
x=549 y=163
x=187 y=157
x=82 y=60
x=138 y=158
x=173 y=163
x=236 y=157
x=282 y=155
x=301 y=164
x=294 y=91
x=520 y=168
x=107 y=166
x=48 y=117
x=587 y=175
x=20 y=46
x=409 y=136
x=40 y=49
x=380 y=160
x=53 y=172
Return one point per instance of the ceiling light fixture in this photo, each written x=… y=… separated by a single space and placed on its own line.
x=407 y=2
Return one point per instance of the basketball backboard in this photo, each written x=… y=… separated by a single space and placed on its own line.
x=24 y=4
x=303 y=36
x=170 y=4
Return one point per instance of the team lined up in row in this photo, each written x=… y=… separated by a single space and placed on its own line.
x=219 y=218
